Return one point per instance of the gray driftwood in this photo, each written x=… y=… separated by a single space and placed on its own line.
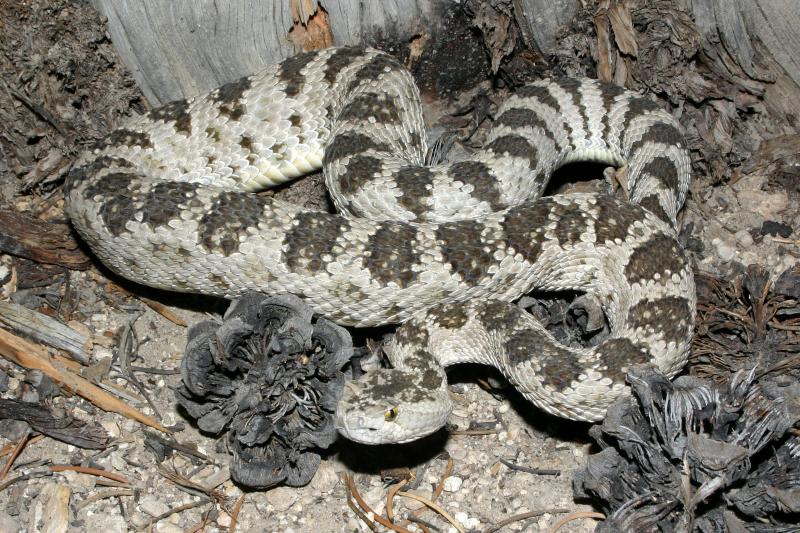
x=44 y=329
x=184 y=47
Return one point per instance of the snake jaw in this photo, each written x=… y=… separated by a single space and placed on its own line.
x=381 y=409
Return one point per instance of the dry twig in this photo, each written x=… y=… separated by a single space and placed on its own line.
x=8 y=448
x=33 y=356
x=522 y=516
x=436 y=507
x=14 y=454
x=179 y=509
x=92 y=472
x=235 y=513
x=102 y=495
x=367 y=510
x=436 y=493
x=576 y=516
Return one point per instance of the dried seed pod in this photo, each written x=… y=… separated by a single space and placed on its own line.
x=270 y=375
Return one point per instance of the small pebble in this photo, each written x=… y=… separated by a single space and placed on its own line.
x=744 y=238
x=325 y=479
x=167 y=527
x=153 y=505
x=51 y=510
x=452 y=483
x=725 y=251
x=281 y=498
x=457 y=453
x=7 y=522
x=465 y=520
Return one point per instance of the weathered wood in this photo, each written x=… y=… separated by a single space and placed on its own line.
x=43 y=242
x=775 y=23
x=541 y=20
x=184 y=47
x=732 y=28
x=42 y=328
x=33 y=356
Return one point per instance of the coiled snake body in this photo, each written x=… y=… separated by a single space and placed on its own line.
x=167 y=201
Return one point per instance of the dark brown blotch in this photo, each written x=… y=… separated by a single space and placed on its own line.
x=637 y=107
x=662 y=133
x=448 y=316
x=660 y=255
x=515 y=146
x=176 y=112
x=229 y=97
x=373 y=69
x=366 y=106
x=340 y=59
x=392 y=254
x=522 y=117
x=232 y=92
x=125 y=137
x=213 y=133
x=166 y=200
x=617 y=356
x=349 y=144
x=541 y=94
x=614 y=220
x=361 y=170
x=484 y=183
x=78 y=174
x=668 y=317
x=228 y=219
x=246 y=143
x=653 y=204
x=499 y=316
x=119 y=200
x=571 y=222
x=462 y=247
x=525 y=226
x=412 y=333
x=414 y=182
x=557 y=366
x=609 y=93
x=290 y=72
x=431 y=380
x=313 y=235
x=663 y=169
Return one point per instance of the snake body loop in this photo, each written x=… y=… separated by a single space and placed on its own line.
x=167 y=201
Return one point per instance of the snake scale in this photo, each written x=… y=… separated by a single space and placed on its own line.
x=168 y=201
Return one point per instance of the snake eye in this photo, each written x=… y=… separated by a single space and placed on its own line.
x=391 y=414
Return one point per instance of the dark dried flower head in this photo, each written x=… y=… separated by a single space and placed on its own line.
x=688 y=456
x=270 y=375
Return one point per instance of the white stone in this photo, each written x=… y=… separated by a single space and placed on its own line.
x=725 y=251
x=106 y=522
x=452 y=483
x=325 y=478
x=281 y=498
x=7 y=522
x=167 y=527
x=150 y=504
x=51 y=510
x=744 y=238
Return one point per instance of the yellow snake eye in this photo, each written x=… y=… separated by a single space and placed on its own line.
x=391 y=414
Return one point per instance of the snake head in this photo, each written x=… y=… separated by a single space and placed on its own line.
x=391 y=407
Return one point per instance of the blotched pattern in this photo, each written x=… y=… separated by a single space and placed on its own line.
x=166 y=200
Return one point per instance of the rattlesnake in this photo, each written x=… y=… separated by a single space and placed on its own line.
x=167 y=200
